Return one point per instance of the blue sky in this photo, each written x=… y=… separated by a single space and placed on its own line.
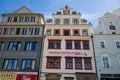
x=90 y=9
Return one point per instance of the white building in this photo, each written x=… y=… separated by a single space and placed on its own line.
x=107 y=46
x=68 y=52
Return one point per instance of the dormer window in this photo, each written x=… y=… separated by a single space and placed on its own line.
x=66 y=12
x=67 y=21
x=112 y=27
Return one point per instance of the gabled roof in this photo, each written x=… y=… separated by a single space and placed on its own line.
x=23 y=9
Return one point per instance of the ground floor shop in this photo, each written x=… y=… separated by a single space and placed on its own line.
x=110 y=77
x=68 y=76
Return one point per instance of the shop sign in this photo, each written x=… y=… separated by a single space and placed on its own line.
x=69 y=53
x=27 y=76
x=8 y=75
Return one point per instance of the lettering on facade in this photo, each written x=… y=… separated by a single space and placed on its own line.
x=70 y=53
x=7 y=76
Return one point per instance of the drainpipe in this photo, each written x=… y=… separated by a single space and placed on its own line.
x=94 y=56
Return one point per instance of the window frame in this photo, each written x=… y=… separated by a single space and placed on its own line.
x=77 y=44
x=79 y=58
x=71 y=41
x=66 y=32
x=85 y=32
x=102 y=45
x=53 y=58
x=14 y=45
x=117 y=45
x=108 y=62
x=55 y=31
x=48 y=32
x=88 y=58
x=112 y=27
x=78 y=32
x=70 y=63
x=88 y=44
x=54 y=43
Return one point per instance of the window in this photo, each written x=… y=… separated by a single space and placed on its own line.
x=10 y=64
x=12 y=31
x=66 y=32
x=69 y=63
x=1 y=45
x=85 y=32
x=68 y=44
x=76 y=32
x=32 y=19
x=24 y=31
x=30 y=31
x=66 y=11
x=87 y=63
x=66 y=21
x=6 y=30
x=18 y=31
x=9 y=19
x=112 y=27
x=77 y=44
x=31 y=46
x=1 y=31
x=102 y=44
x=105 y=62
x=85 y=44
x=78 y=63
x=118 y=44
x=57 y=21
x=48 y=32
x=56 y=32
x=53 y=62
x=37 y=31
x=21 y=19
x=28 y=64
x=27 y=19
x=54 y=44
x=75 y=21
x=14 y=45
x=15 y=19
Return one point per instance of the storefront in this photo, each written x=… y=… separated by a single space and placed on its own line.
x=110 y=76
x=53 y=76
x=5 y=75
x=85 y=76
x=27 y=76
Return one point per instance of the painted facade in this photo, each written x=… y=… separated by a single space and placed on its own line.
x=106 y=39
x=68 y=52
x=20 y=43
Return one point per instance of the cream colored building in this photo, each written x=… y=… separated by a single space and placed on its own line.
x=68 y=52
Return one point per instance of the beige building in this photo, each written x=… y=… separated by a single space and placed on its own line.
x=68 y=52
x=20 y=44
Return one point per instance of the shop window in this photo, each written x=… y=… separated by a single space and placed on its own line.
x=105 y=62
x=78 y=63
x=54 y=44
x=87 y=63
x=66 y=32
x=77 y=44
x=14 y=45
x=28 y=64
x=69 y=63
x=76 y=32
x=117 y=44
x=85 y=44
x=10 y=64
x=53 y=62
x=68 y=44
x=1 y=45
x=56 y=32
x=31 y=46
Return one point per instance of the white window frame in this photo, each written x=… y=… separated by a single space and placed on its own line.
x=108 y=61
x=101 y=45
x=48 y=33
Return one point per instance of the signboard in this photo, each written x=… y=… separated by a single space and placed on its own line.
x=69 y=53
x=27 y=76
x=8 y=75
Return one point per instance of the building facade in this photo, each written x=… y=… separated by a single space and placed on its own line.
x=21 y=34
x=68 y=52
x=106 y=39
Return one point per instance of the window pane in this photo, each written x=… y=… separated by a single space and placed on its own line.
x=87 y=63
x=68 y=45
x=105 y=62
x=14 y=46
x=77 y=45
x=69 y=63
x=78 y=63
x=86 y=45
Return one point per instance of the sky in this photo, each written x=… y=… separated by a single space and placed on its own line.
x=90 y=9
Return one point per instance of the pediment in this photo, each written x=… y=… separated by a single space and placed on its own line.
x=23 y=9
